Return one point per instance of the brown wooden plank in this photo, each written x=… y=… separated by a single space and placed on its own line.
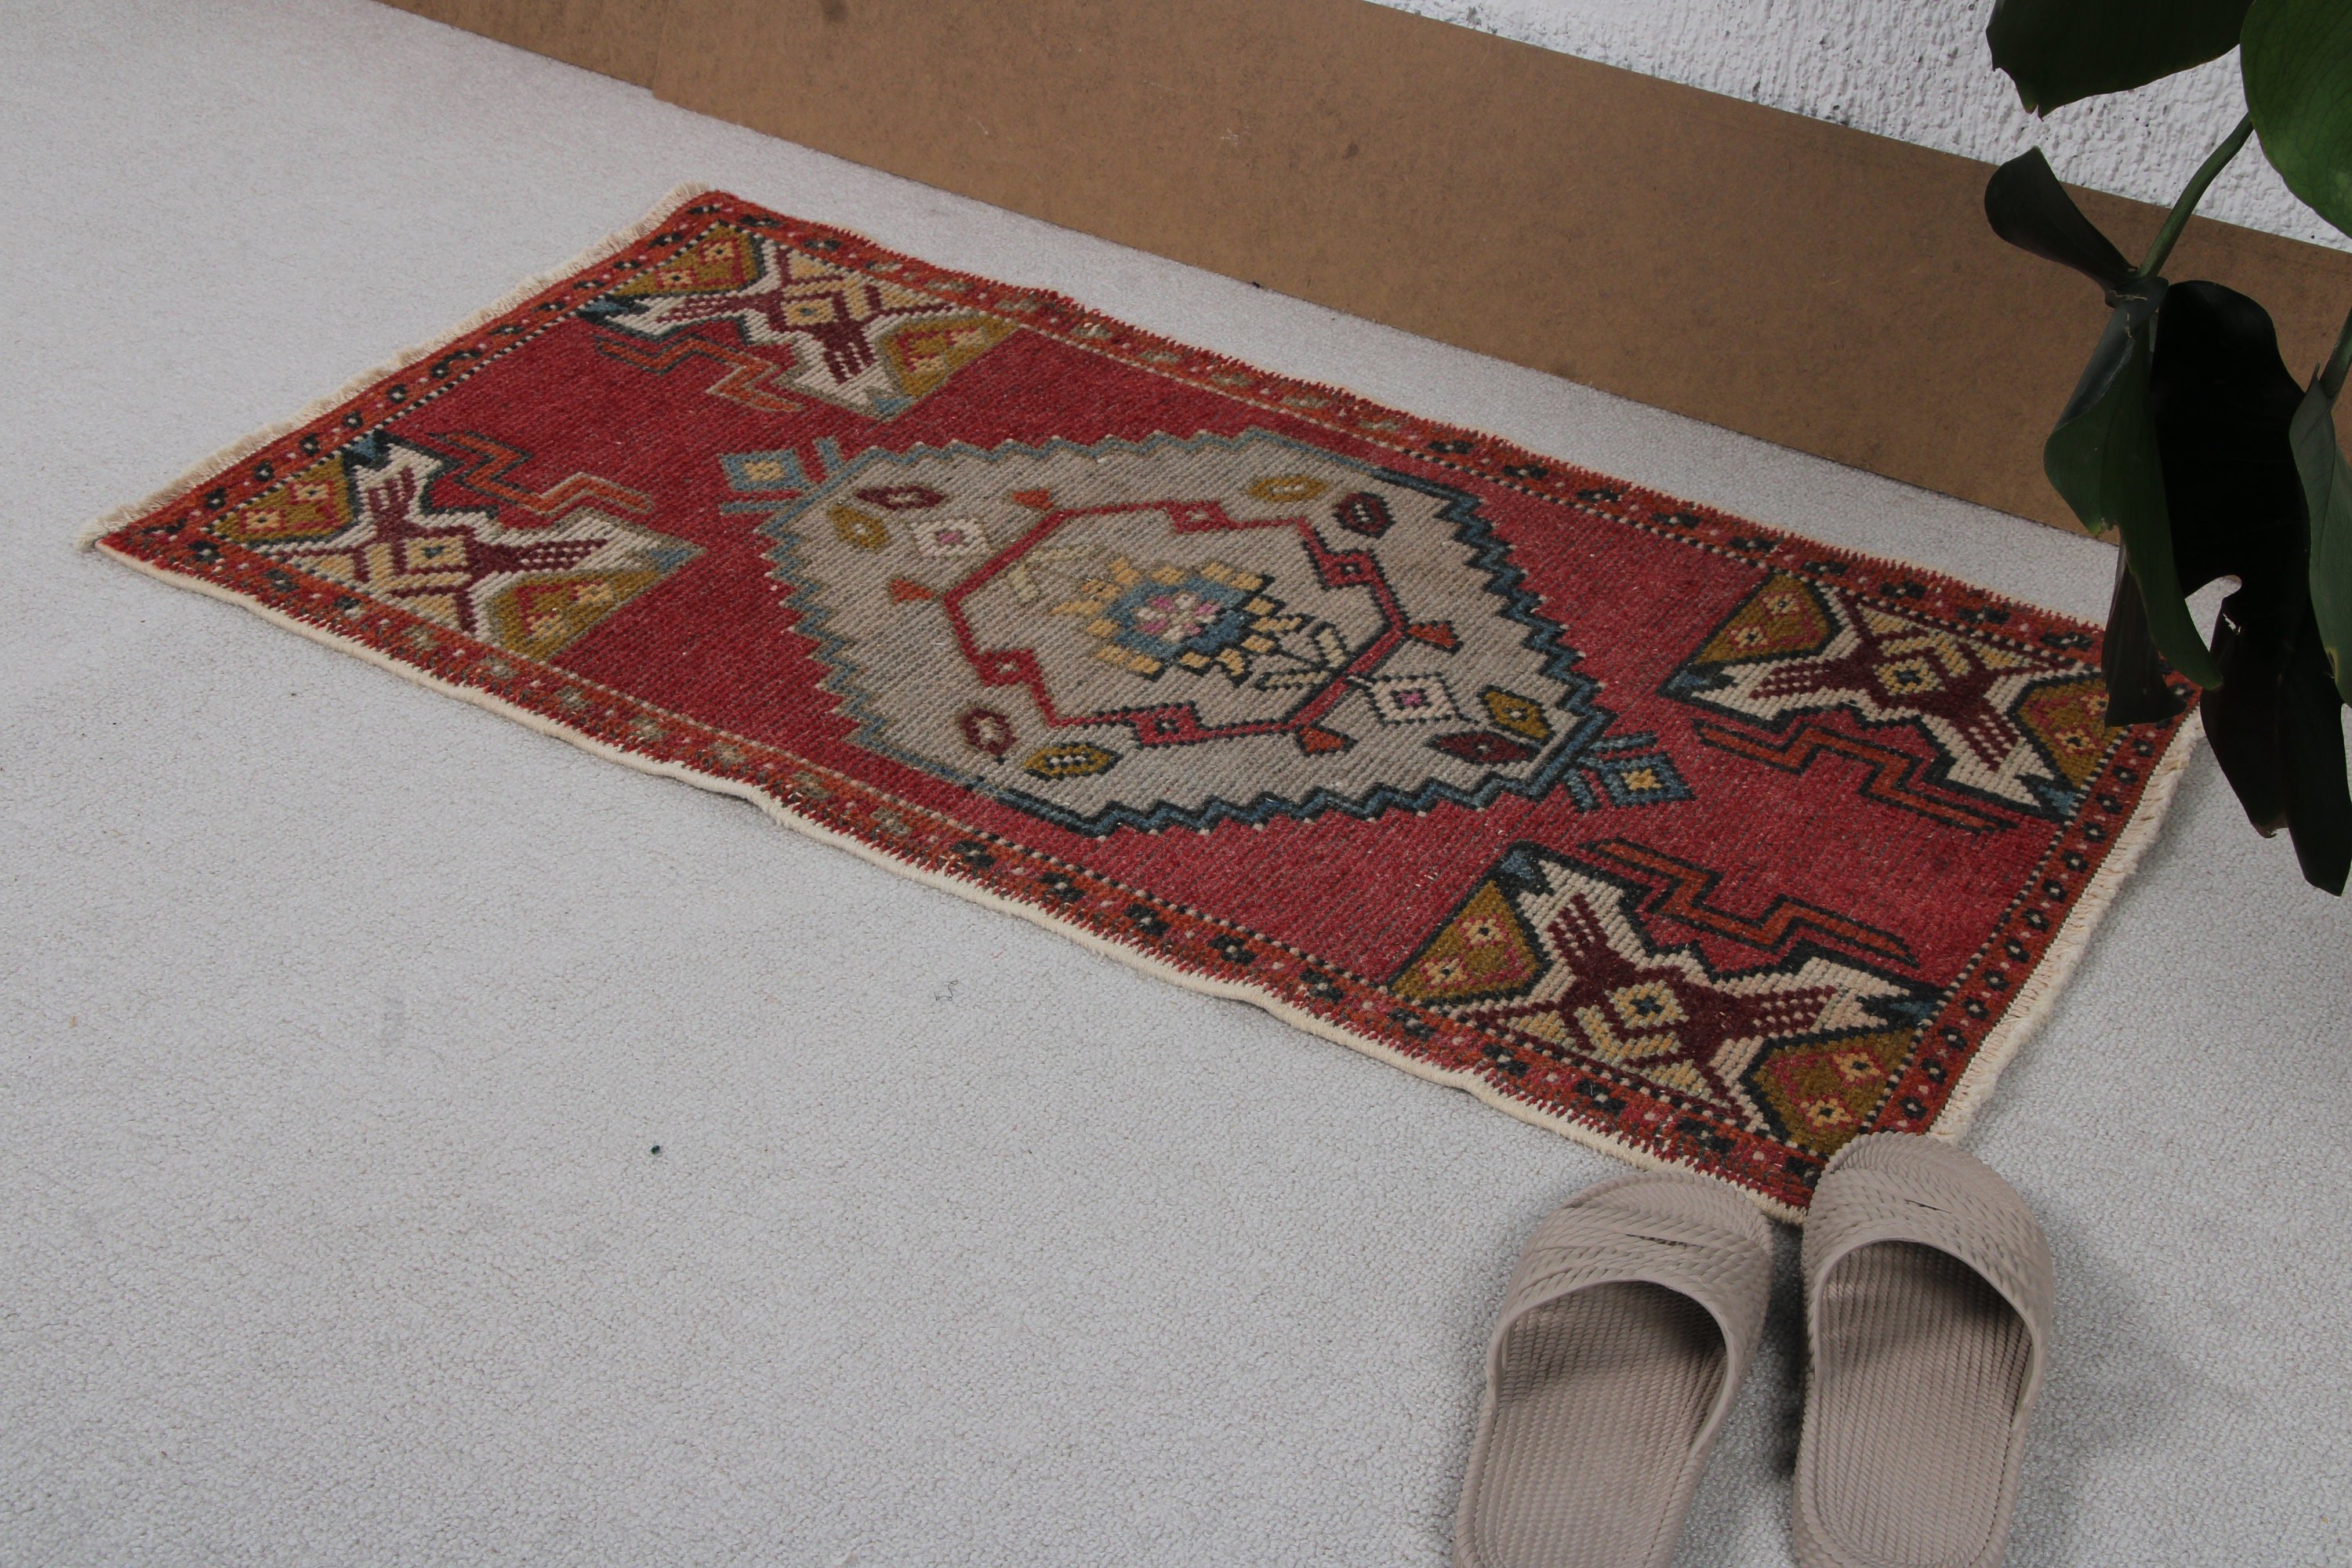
x=617 y=38
x=1804 y=282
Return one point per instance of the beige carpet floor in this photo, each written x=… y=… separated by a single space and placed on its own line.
x=337 y=1019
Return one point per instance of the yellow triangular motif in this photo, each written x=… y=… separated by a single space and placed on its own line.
x=723 y=259
x=1483 y=951
x=923 y=354
x=1782 y=617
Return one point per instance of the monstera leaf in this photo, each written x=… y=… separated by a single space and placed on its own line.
x=2137 y=692
x=2297 y=68
x=2224 y=409
x=2104 y=457
x=2057 y=51
x=2028 y=207
x=2327 y=494
x=2185 y=433
x=2311 y=745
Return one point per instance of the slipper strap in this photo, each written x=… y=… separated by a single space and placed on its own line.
x=1721 y=1260
x=1988 y=1229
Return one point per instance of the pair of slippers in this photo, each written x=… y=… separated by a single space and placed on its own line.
x=1634 y=1313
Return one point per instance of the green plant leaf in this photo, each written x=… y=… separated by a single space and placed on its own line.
x=2241 y=721
x=2327 y=492
x=2222 y=401
x=2297 y=67
x=2103 y=458
x=2311 y=746
x=2228 y=416
x=2057 y=51
x=2137 y=692
x=2075 y=454
x=2224 y=404
x=2028 y=207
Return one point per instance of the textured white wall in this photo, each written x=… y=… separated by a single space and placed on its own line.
x=1917 y=71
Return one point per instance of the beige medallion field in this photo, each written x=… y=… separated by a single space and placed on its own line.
x=338 y=1021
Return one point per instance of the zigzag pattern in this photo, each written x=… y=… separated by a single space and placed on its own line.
x=1894 y=774
x=493 y=461
x=1687 y=888
x=746 y=380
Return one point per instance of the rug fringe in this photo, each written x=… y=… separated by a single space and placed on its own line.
x=237 y=451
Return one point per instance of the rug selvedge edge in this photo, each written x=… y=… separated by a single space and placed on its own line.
x=2037 y=996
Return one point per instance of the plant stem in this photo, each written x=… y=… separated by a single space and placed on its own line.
x=2331 y=380
x=2178 y=218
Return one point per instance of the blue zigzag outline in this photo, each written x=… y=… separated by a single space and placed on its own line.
x=1586 y=747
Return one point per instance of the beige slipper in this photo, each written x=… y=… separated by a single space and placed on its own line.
x=1928 y=1291
x=1624 y=1334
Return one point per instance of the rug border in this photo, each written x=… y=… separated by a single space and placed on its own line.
x=2018 y=1023
x=2038 y=997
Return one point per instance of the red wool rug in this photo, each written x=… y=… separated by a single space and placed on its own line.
x=1706 y=844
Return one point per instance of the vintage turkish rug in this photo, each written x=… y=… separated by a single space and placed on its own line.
x=1705 y=843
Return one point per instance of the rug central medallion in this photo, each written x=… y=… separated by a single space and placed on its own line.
x=1180 y=632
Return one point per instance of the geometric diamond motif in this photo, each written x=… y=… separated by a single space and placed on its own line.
x=2003 y=721
x=858 y=342
x=1559 y=955
x=532 y=581
x=1206 y=619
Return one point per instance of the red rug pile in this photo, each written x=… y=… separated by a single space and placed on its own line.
x=1698 y=840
